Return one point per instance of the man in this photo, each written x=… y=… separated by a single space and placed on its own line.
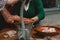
x=33 y=11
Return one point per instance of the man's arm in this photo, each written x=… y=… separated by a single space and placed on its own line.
x=40 y=12
x=7 y=16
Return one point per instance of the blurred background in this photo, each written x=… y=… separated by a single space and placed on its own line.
x=52 y=11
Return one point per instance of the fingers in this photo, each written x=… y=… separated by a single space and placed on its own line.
x=13 y=19
x=10 y=20
x=16 y=19
x=27 y=21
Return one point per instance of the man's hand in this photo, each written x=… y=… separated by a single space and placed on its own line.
x=27 y=21
x=16 y=19
x=9 y=19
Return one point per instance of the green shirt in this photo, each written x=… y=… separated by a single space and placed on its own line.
x=35 y=9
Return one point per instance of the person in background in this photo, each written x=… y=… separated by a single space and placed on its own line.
x=33 y=12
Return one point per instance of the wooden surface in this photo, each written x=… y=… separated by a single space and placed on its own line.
x=45 y=36
x=8 y=33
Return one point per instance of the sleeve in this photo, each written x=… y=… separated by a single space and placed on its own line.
x=39 y=9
